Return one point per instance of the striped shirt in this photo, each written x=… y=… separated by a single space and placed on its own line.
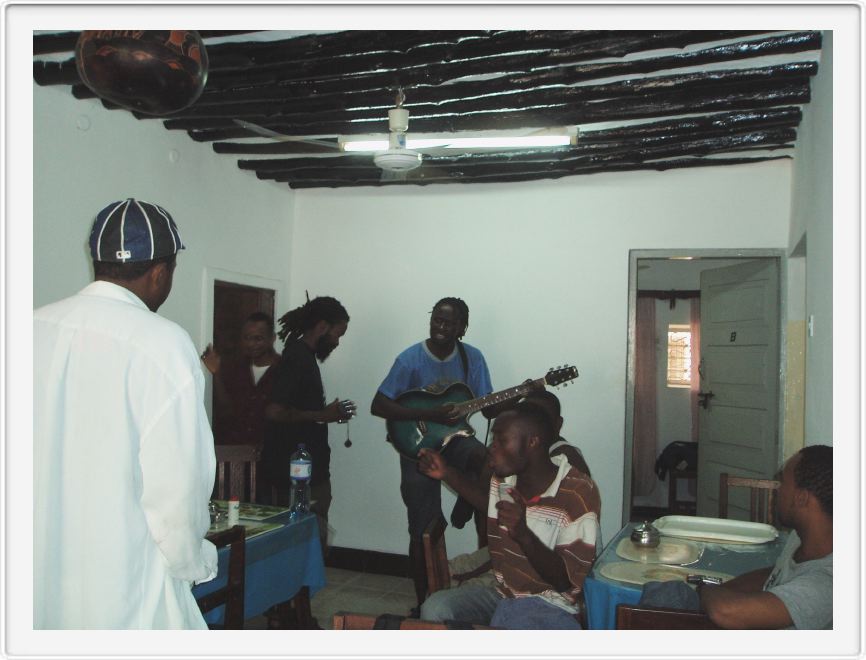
x=565 y=518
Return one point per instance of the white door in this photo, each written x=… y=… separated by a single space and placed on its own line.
x=739 y=380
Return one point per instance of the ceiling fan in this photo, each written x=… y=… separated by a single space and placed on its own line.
x=397 y=161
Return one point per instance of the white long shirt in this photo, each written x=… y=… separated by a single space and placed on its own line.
x=123 y=466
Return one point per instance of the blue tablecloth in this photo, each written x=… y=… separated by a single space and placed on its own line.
x=603 y=594
x=278 y=564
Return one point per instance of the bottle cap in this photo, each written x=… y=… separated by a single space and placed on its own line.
x=234 y=498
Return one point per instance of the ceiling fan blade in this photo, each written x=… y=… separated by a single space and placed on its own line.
x=266 y=132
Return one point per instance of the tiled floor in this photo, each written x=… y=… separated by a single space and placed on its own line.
x=360 y=593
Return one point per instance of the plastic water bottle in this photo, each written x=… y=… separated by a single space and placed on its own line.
x=300 y=470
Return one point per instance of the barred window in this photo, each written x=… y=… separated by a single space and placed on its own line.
x=679 y=355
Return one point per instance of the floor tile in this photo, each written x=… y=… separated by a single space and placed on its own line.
x=383 y=583
x=338 y=576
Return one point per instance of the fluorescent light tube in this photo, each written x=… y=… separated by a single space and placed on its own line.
x=503 y=142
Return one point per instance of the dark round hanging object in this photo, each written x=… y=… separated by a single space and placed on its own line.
x=156 y=72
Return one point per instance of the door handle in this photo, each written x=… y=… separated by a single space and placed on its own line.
x=704 y=399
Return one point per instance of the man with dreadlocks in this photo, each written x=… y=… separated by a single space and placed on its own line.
x=433 y=365
x=297 y=412
x=795 y=593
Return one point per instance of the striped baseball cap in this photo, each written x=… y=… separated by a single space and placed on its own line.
x=133 y=230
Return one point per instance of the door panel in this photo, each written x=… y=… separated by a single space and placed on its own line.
x=740 y=366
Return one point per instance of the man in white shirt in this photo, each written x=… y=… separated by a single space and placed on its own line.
x=123 y=452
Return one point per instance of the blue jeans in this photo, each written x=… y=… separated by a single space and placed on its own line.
x=470 y=603
x=675 y=594
x=486 y=607
x=532 y=613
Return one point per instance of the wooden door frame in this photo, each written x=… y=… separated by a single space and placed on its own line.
x=779 y=254
x=209 y=277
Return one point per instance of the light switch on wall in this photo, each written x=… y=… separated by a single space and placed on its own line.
x=811 y=325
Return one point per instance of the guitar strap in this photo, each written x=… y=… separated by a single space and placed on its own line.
x=465 y=361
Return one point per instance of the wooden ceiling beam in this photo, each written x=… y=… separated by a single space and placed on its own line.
x=646 y=149
x=726 y=98
x=532 y=176
x=503 y=50
x=63 y=42
x=437 y=69
x=316 y=97
x=713 y=124
x=265 y=114
x=509 y=52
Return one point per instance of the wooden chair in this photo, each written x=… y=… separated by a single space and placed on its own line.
x=436 y=556
x=677 y=506
x=232 y=594
x=762 y=501
x=638 y=617
x=349 y=621
x=234 y=462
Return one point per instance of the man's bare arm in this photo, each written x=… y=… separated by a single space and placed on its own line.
x=467 y=486
x=751 y=582
x=333 y=412
x=732 y=609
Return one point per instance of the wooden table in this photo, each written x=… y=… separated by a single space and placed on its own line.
x=284 y=568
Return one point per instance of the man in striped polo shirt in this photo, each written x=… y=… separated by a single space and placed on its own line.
x=542 y=525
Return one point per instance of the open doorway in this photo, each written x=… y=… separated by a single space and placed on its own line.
x=670 y=397
x=232 y=304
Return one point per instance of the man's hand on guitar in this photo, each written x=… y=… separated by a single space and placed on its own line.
x=448 y=414
x=432 y=464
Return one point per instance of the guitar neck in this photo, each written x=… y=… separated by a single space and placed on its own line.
x=474 y=405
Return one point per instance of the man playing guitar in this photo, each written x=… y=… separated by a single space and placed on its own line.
x=433 y=365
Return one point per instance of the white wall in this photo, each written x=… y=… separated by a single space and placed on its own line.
x=812 y=220
x=228 y=219
x=544 y=269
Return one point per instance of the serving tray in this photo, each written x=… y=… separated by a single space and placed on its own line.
x=718 y=530
x=668 y=551
x=637 y=573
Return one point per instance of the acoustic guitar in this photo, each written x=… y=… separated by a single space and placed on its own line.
x=410 y=436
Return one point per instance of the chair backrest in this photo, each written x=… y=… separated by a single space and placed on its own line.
x=234 y=463
x=762 y=497
x=231 y=595
x=638 y=617
x=436 y=556
x=349 y=621
x=676 y=505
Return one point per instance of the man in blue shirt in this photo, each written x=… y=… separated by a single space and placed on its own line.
x=433 y=365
